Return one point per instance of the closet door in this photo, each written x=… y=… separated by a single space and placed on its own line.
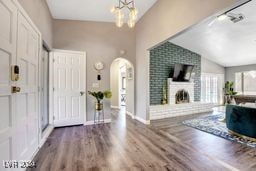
x=26 y=120
x=8 y=20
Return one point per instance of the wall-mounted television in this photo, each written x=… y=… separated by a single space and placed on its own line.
x=182 y=72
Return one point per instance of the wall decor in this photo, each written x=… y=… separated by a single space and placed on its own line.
x=129 y=73
x=99 y=66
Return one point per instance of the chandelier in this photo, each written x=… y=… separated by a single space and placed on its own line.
x=119 y=12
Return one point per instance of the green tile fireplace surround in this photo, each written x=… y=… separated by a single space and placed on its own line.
x=162 y=61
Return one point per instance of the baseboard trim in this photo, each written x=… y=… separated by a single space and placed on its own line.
x=115 y=107
x=92 y=122
x=130 y=114
x=45 y=135
x=146 y=122
x=42 y=141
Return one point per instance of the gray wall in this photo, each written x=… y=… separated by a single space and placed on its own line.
x=162 y=61
x=114 y=83
x=40 y=14
x=209 y=66
x=230 y=71
x=165 y=19
x=102 y=42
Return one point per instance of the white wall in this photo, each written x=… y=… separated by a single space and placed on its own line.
x=208 y=66
x=40 y=14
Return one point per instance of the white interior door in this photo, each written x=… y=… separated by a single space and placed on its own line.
x=8 y=20
x=26 y=119
x=69 y=88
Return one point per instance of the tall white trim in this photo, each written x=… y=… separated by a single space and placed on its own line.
x=92 y=122
x=130 y=114
x=146 y=122
x=115 y=107
x=45 y=135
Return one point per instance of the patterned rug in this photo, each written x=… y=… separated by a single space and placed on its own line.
x=213 y=125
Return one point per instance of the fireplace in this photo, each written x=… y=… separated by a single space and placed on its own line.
x=182 y=96
x=180 y=92
x=181 y=102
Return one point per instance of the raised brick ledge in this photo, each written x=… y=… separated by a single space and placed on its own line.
x=174 y=110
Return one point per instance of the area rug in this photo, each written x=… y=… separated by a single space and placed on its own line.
x=212 y=124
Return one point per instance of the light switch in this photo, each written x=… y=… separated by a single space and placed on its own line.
x=95 y=85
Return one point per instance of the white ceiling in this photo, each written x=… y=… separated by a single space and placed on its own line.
x=224 y=42
x=91 y=10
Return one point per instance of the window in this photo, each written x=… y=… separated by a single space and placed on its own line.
x=123 y=83
x=246 y=82
x=212 y=88
x=238 y=83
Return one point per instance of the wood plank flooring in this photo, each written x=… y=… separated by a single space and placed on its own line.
x=127 y=145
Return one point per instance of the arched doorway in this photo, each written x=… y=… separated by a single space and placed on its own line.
x=122 y=85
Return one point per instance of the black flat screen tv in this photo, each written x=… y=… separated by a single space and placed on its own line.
x=182 y=72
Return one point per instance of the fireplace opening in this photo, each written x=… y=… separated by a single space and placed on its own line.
x=182 y=96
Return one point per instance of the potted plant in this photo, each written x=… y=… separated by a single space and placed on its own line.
x=229 y=92
x=99 y=97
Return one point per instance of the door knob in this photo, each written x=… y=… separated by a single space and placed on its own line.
x=15 y=89
x=82 y=93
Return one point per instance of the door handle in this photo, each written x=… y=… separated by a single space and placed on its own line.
x=15 y=89
x=82 y=93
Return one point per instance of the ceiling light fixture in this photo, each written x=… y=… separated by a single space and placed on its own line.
x=120 y=14
x=229 y=15
x=222 y=17
x=232 y=16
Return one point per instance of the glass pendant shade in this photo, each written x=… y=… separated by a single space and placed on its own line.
x=134 y=13
x=119 y=12
x=119 y=22
x=113 y=9
x=131 y=23
x=132 y=16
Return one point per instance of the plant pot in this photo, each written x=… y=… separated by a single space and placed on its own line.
x=232 y=101
x=98 y=106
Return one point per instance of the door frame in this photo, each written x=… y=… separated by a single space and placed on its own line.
x=51 y=83
x=43 y=135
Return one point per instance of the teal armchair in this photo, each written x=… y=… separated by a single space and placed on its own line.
x=241 y=120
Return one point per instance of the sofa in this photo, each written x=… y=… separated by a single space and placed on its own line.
x=241 y=120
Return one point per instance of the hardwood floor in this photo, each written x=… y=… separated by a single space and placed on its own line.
x=126 y=144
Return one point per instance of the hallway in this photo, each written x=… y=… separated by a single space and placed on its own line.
x=126 y=144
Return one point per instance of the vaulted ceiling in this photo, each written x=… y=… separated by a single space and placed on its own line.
x=224 y=42
x=91 y=10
